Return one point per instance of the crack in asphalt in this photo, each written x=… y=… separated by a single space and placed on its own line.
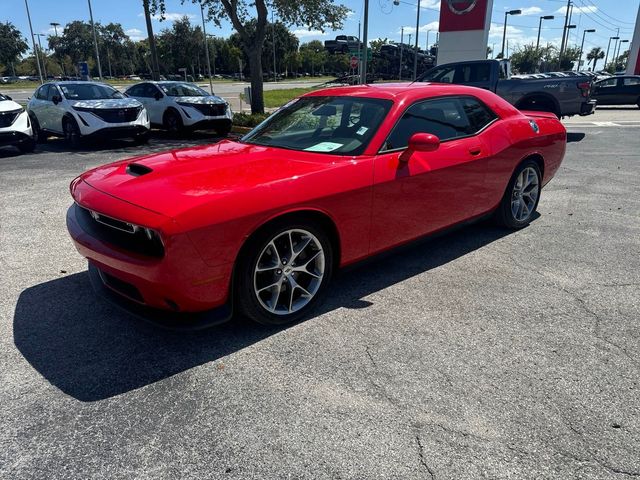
x=423 y=461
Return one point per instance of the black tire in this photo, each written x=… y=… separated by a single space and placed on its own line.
x=172 y=121
x=72 y=133
x=141 y=138
x=246 y=297
x=27 y=146
x=38 y=135
x=505 y=215
x=223 y=128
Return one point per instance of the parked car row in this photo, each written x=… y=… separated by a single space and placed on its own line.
x=77 y=110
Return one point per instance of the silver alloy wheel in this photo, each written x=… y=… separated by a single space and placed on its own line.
x=525 y=194
x=289 y=271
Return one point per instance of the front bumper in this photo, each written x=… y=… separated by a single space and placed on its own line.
x=14 y=138
x=588 y=108
x=119 y=132
x=178 y=289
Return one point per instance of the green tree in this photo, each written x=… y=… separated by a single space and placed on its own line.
x=313 y=56
x=594 y=55
x=181 y=47
x=527 y=59
x=315 y=14
x=12 y=44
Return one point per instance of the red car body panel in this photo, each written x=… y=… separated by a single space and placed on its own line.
x=206 y=201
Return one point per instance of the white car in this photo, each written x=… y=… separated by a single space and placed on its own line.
x=76 y=110
x=15 y=126
x=177 y=106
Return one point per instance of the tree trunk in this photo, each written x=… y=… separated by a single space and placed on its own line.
x=255 y=72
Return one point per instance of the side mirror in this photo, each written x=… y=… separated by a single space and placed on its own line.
x=158 y=96
x=56 y=99
x=8 y=97
x=423 y=142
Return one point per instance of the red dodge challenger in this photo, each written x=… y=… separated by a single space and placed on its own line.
x=259 y=225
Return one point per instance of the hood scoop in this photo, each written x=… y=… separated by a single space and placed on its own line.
x=137 y=169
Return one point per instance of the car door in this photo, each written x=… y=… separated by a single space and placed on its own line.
x=55 y=110
x=39 y=105
x=607 y=91
x=416 y=193
x=631 y=90
x=156 y=103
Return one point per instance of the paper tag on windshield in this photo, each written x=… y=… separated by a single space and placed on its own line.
x=362 y=130
x=324 y=147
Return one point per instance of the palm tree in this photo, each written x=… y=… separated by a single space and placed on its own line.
x=595 y=54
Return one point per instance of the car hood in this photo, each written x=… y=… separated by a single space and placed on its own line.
x=106 y=103
x=173 y=182
x=9 y=106
x=209 y=99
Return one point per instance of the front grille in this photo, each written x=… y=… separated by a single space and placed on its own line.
x=120 y=286
x=117 y=115
x=119 y=234
x=7 y=118
x=211 y=110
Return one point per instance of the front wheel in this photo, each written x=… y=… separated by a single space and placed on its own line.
x=173 y=122
x=71 y=132
x=521 y=197
x=283 y=273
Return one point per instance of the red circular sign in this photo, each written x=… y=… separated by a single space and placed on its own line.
x=354 y=62
x=460 y=7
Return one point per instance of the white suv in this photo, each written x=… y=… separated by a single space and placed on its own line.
x=177 y=106
x=15 y=126
x=81 y=109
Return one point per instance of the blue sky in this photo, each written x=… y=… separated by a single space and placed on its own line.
x=386 y=19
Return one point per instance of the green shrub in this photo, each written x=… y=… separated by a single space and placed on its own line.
x=248 y=119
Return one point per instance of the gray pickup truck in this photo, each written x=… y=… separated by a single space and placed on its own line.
x=563 y=96
x=343 y=44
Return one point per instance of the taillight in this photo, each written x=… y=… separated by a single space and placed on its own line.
x=585 y=88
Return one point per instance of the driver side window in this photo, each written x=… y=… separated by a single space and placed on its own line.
x=43 y=92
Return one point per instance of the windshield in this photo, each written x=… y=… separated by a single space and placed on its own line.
x=89 y=91
x=334 y=125
x=182 y=90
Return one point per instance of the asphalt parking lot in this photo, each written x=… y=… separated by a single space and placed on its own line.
x=480 y=354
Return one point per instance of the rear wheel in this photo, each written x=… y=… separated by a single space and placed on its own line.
x=71 y=132
x=283 y=272
x=521 y=197
x=538 y=104
x=172 y=121
x=38 y=135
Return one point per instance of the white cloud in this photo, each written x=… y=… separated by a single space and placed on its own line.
x=432 y=27
x=304 y=33
x=430 y=5
x=170 y=17
x=531 y=11
x=52 y=31
x=577 y=10
x=135 y=34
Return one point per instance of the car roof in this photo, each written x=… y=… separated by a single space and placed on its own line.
x=399 y=91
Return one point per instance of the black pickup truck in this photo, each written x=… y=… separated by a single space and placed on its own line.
x=342 y=44
x=563 y=96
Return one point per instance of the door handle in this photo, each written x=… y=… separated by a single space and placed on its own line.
x=475 y=151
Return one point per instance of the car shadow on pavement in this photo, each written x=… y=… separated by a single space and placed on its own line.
x=575 y=137
x=92 y=350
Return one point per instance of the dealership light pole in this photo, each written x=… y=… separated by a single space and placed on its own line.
x=546 y=17
x=615 y=58
x=206 y=49
x=584 y=32
x=415 y=57
x=365 y=42
x=401 y=49
x=504 y=32
x=606 y=58
x=33 y=42
x=564 y=29
x=95 y=41
x=44 y=65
